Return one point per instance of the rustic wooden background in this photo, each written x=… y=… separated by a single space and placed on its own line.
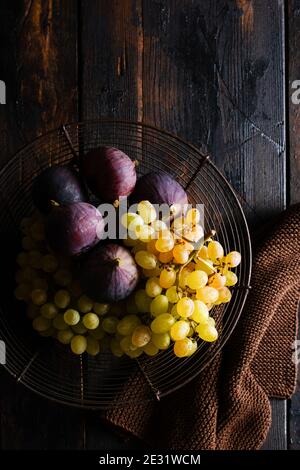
x=217 y=72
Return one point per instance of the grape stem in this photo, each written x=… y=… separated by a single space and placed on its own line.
x=195 y=253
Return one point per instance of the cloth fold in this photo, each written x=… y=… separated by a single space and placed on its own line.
x=227 y=406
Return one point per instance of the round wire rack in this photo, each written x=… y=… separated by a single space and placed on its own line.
x=45 y=366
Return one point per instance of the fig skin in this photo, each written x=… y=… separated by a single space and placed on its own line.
x=109 y=173
x=159 y=188
x=109 y=273
x=73 y=229
x=61 y=184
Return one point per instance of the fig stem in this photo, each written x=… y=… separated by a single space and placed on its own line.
x=54 y=203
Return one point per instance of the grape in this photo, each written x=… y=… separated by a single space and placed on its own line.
x=194 y=233
x=92 y=346
x=91 y=321
x=134 y=354
x=145 y=259
x=75 y=289
x=23 y=291
x=141 y=246
x=200 y=313
x=159 y=226
x=109 y=324
x=98 y=333
x=19 y=277
x=49 y=332
x=193 y=348
x=203 y=252
x=32 y=311
x=150 y=349
x=147 y=211
x=85 y=304
x=165 y=242
x=172 y=294
x=167 y=278
x=174 y=312
x=144 y=233
x=224 y=295
x=130 y=220
x=27 y=243
x=233 y=259
x=162 y=323
x=29 y=274
x=63 y=277
x=65 y=336
x=62 y=298
x=192 y=216
x=80 y=329
x=179 y=330
x=115 y=348
x=40 y=283
x=185 y=307
x=71 y=317
x=181 y=255
x=211 y=321
x=205 y=265
x=127 y=325
x=215 y=250
x=207 y=332
x=78 y=344
x=100 y=309
x=161 y=341
x=184 y=274
x=49 y=310
x=197 y=280
x=25 y=225
x=165 y=257
x=22 y=259
x=142 y=301
x=151 y=247
x=126 y=344
x=49 y=263
x=131 y=306
x=152 y=272
x=38 y=296
x=35 y=259
x=183 y=347
x=37 y=231
x=59 y=322
x=207 y=294
x=217 y=281
x=159 y=305
x=153 y=287
x=231 y=279
x=41 y=324
x=141 y=336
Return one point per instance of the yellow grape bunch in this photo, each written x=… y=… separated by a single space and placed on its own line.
x=180 y=285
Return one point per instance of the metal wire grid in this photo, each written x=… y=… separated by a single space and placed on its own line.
x=47 y=367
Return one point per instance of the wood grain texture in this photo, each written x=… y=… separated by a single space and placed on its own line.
x=39 y=66
x=293 y=11
x=294 y=109
x=277 y=437
x=111 y=59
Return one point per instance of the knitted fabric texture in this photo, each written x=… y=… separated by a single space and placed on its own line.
x=227 y=406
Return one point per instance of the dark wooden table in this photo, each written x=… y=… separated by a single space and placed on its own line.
x=217 y=72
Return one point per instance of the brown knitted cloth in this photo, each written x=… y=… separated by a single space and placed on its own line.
x=227 y=406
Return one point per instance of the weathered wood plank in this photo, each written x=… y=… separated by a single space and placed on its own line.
x=39 y=66
x=277 y=437
x=293 y=12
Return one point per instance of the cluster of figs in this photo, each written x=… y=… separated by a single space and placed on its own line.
x=73 y=225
